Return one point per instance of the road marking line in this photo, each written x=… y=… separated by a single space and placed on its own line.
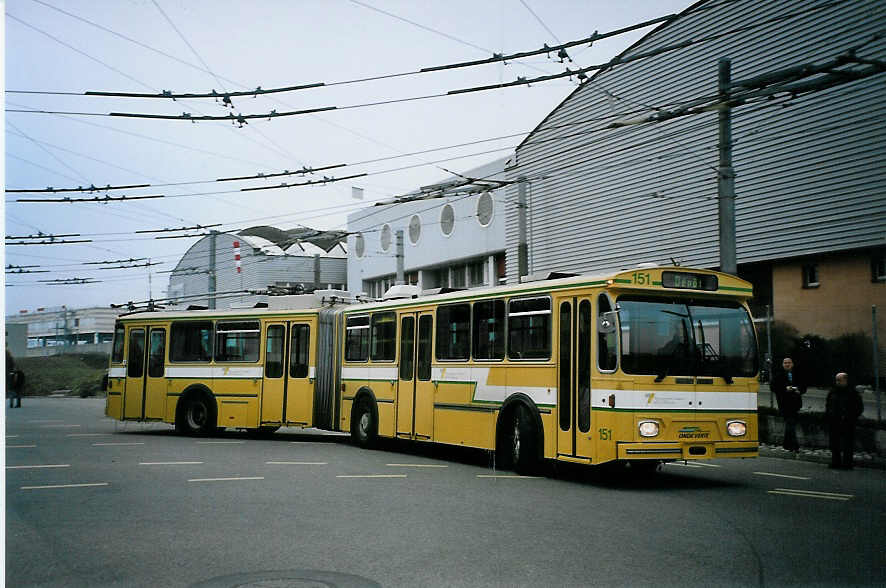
x=781 y=476
x=805 y=495
x=815 y=493
x=170 y=462
x=374 y=476
x=27 y=467
x=706 y=465
x=63 y=486
x=225 y=479
x=683 y=465
x=220 y=442
x=58 y=426
x=11 y=436
x=47 y=421
x=87 y=434
x=296 y=463
x=19 y=446
x=415 y=465
x=105 y=444
x=508 y=476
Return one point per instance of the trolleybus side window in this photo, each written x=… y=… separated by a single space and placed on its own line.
x=237 y=341
x=191 y=341
x=565 y=345
x=425 y=329
x=274 y=352
x=357 y=338
x=384 y=336
x=119 y=340
x=584 y=366
x=454 y=332
x=607 y=342
x=529 y=328
x=136 y=366
x=157 y=353
x=489 y=329
x=299 y=349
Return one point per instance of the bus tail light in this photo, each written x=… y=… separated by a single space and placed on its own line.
x=736 y=428
x=648 y=428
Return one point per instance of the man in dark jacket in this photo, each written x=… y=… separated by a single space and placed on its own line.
x=844 y=406
x=13 y=382
x=789 y=388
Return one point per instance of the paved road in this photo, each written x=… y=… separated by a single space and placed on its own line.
x=92 y=502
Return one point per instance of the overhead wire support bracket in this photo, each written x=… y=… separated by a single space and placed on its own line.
x=51 y=190
x=325 y=180
x=101 y=199
x=196 y=227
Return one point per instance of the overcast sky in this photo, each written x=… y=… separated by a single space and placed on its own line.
x=196 y=46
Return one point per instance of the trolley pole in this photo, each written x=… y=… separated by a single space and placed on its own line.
x=726 y=173
x=522 y=241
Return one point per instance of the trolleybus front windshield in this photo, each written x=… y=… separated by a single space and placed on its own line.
x=682 y=337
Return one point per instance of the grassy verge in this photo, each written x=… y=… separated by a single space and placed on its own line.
x=81 y=374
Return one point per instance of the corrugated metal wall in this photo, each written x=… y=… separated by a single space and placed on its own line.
x=258 y=271
x=811 y=175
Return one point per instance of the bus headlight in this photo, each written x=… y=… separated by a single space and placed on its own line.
x=648 y=428
x=736 y=428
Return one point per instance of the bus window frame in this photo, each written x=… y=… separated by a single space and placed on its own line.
x=171 y=342
x=504 y=332
x=436 y=348
x=394 y=336
x=119 y=329
x=616 y=333
x=550 y=335
x=367 y=327
x=218 y=332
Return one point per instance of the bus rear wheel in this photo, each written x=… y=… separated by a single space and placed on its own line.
x=196 y=417
x=364 y=427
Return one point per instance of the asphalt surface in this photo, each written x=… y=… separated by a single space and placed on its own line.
x=94 y=502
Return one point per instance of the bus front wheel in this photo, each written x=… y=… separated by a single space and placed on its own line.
x=364 y=427
x=522 y=442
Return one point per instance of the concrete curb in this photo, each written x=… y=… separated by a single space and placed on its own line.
x=823 y=456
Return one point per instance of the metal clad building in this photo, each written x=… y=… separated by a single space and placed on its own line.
x=811 y=173
x=263 y=264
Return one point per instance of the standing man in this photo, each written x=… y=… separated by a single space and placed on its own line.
x=13 y=382
x=844 y=406
x=789 y=388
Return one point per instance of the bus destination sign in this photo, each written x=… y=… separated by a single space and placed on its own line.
x=689 y=281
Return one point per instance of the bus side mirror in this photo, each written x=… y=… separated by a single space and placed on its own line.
x=606 y=322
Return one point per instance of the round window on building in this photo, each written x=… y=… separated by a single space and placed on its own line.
x=447 y=219
x=359 y=245
x=385 y=237
x=414 y=229
x=485 y=209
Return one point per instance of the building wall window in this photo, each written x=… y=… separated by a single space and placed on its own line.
x=414 y=229
x=810 y=276
x=477 y=273
x=878 y=267
x=385 y=238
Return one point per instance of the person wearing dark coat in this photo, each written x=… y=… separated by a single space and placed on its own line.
x=844 y=406
x=13 y=382
x=789 y=387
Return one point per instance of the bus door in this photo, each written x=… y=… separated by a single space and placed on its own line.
x=574 y=438
x=415 y=391
x=273 y=394
x=298 y=396
x=155 y=384
x=144 y=396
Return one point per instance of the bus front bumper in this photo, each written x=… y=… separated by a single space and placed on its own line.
x=677 y=450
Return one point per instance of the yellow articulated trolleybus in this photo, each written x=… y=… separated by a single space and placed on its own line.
x=644 y=365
